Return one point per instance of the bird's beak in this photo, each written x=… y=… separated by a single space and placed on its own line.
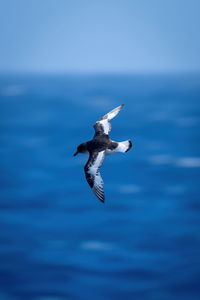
x=76 y=153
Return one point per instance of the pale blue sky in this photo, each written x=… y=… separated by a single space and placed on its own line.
x=100 y=36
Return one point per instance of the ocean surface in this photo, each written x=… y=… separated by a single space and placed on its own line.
x=57 y=240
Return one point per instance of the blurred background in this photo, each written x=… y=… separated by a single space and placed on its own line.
x=64 y=64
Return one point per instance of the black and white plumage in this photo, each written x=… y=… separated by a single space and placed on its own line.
x=97 y=148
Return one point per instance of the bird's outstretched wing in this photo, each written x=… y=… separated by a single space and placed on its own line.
x=93 y=175
x=103 y=125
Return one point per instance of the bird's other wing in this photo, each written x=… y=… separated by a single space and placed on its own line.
x=93 y=175
x=103 y=125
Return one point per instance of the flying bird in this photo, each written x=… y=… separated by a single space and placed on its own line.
x=97 y=148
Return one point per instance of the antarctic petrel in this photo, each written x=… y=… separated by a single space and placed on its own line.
x=97 y=148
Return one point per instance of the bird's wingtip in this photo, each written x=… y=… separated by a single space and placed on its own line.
x=129 y=145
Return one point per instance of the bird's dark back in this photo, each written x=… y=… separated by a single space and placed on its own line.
x=99 y=143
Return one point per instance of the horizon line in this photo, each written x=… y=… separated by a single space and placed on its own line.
x=98 y=72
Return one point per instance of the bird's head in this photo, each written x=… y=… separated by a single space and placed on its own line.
x=82 y=148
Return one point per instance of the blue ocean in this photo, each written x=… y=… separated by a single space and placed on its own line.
x=57 y=240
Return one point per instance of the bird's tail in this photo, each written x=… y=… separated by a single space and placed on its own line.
x=124 y=146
